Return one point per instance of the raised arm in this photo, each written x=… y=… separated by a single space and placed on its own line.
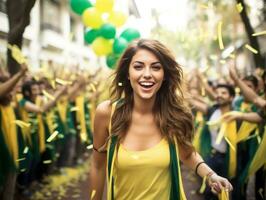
x=252 y=117
x=99 y=156
x=198 y=105
x=211 y=94
x=10 y=83
x=246 y=91
x=31 y=107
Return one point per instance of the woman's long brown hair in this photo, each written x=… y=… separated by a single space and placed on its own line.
x=172 y=115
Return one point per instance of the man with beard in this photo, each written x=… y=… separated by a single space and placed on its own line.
x=213 y=149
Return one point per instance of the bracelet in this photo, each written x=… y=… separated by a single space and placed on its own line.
x=209 y=175
x=196 y=170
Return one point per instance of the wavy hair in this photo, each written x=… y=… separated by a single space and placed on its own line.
x=172 y=115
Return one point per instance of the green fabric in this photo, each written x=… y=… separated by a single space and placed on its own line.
x=239 y=101
x=87 y=121
x=205 y=142
x=175 y=193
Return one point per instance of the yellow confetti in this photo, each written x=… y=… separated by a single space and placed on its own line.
x=20 y=159
x=203 y=185
x=26 y=149
x=47 y=161
x=23 y=170
x=232 y=56
x=230 y=144
x=52 y=136
x=74 y=109
x=220 y=39
x=259 y=33
x=16 y=54
x=62 y=82
x=49 y=96
x=253 y=50
x=22 y=124
x=222 y=61
x=204 y=6
x=261 y=192
x=92 y=87
x=93 y=194
x=239 y=7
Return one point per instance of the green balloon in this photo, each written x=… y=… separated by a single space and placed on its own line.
x=111 y=60
x=78 y=6
x=130 y=34
x=119 y=45
x=90 y=35
x=107 y=31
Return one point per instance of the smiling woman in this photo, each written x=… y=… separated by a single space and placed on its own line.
x=146 y=129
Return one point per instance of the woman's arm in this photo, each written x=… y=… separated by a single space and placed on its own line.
x=250 y=117
x=31 y=107
x=7 y=86
x=247 y=92
x=98 y=164
x=195 y=162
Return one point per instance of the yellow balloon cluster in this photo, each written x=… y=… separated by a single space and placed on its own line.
x=102 y=46
x=92 y=18
x=101 y=21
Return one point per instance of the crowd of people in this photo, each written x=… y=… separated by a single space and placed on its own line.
x=45 y=126
x=230 y=127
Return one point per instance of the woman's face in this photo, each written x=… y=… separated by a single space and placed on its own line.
x=146 y=74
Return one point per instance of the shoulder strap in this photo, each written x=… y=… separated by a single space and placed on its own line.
x=177 y=190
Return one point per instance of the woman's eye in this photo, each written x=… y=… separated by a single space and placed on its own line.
x=137 y=66
x=156 y=67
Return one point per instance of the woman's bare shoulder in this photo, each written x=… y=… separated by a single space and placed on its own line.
x=103 y=110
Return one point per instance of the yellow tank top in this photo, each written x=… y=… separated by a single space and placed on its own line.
x=142 y=175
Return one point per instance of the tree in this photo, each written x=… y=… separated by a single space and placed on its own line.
x=258 y=58
x=18 y=12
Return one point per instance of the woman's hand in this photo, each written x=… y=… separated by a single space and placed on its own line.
x=217 y=183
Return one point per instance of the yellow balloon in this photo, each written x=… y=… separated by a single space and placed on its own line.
x=102 y=46
x=104 y=5
x=117 y=18
x=91 y=17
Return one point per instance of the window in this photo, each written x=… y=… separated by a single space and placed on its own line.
x=3 y=6
x=51 y=15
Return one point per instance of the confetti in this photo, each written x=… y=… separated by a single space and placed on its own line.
x=62 y=82
x=26 y=149
x=253 y=50
x=203 y=185
x=261 y=192
x=222 y=61
x=89 y=146
x=239 y=7
x=49 y=96
x=259 y=33
x=23 y=170
x=52 y=136
x=92 y=87
x=204 y=6
x=230 y=144
x=22 y=124
x=93 y=194
x=74 y=109
x=232 y=55
x=20 y=159
x=47 y=161
x=220 y=39
x=16 y=53
x=120 y=84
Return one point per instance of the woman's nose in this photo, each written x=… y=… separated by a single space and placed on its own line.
x=147 y=73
